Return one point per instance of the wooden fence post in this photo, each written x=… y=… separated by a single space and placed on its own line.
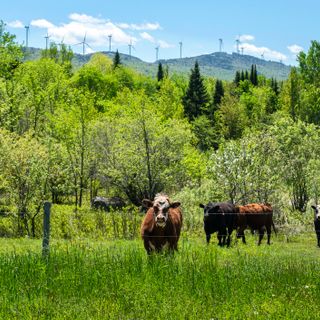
x=46 y=229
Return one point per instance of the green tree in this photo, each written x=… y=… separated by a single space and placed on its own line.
x=196 y=99
x=218 y=93
x=160 y=74
x=10 y=53
x=116 y=60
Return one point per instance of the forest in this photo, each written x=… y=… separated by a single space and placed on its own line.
x=69 y=134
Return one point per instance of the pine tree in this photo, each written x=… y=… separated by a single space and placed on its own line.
x=242 y=76
x=237 y=78
x=116 y=60
x=218 y=93
x=246 y=75
x=254 y=75
x=160 y=74
x=196 y=98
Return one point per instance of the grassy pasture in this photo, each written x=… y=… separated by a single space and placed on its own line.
x=116 y=280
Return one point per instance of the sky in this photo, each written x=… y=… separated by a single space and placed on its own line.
x=274 y=30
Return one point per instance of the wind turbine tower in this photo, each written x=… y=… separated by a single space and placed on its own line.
x=110 y=36
x=180 y=43
x=237 y=44
x=220 y=45
x=157 y=53
x=27 y=36
x=130 y=46
x=47 y=41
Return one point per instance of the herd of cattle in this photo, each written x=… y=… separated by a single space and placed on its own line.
x=162 y=223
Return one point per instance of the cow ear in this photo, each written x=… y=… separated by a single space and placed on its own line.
x=147 y=203
x=175 y=205
x=201 y=205
x=313 y=207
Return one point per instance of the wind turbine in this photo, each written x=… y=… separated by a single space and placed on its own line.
x=47 y=40
x=237 y=45
x=220 y=44
x=27 y=35
x=157 y=53
x=180 y=43
x=110 y=36
x=84 y=44
x=130 y=45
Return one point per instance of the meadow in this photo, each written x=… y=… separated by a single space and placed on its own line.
x=83 y=279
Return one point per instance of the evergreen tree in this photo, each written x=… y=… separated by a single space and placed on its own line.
x=242 y=76
x=116 y=60
x=274 y=86
x=254 y=75
x=218 y=93
x=237 y=78
x=196 y=99
x=246 y=75
x=160 y=74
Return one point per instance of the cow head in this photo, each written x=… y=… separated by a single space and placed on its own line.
x=160 y=206
x=316 y=211
x=210 y=208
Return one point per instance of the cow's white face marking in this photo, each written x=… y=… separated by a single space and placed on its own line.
x=316 y=211
x=161 y=207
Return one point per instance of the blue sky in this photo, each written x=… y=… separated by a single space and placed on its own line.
x=274 y=30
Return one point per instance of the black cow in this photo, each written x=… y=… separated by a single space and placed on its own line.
x=107 y=204
x=317 y=222
x=220 y=217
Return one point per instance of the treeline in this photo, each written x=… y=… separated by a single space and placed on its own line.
x=67 y=135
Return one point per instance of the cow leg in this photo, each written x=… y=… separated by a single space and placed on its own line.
x=229 y=237
x=318 y=237
x=261 y=233
x=220 y=239
x=240 y=234
x=208 y=237
x=268 y=233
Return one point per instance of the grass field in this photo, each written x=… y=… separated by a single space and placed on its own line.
x=116 y=280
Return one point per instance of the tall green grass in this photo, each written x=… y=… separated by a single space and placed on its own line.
x=116 y=280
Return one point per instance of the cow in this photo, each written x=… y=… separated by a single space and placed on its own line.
x=220 y=217
x=317 y=222
x=108 y=204
x=255 y=216
x=162 y=224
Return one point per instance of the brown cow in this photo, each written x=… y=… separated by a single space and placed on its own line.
x=255 y=216
x=162 y=224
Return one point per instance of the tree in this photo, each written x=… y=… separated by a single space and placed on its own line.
x=10 y=53
x=254 y=75
x=160 y=74
x=116 y=60
x=196 y=99
x=218 y=93
x=237 y=78
x=309 y=64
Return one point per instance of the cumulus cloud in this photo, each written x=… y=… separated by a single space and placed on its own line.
x=295 y=49
x=163 y=44
x=246 y=37
x=97 y=31
x=264 y=52
x=143 y=26
x=15 y=24
x=41 y=23
x=147 y=36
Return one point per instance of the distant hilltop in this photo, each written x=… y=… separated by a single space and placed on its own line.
x=219 y=65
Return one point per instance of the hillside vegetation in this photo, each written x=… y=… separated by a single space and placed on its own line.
x=104 y=129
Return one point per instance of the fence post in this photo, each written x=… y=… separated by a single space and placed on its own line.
x=46 y=229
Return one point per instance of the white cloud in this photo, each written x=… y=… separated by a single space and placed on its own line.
x=147 y=36
x=246 y=37
x=143 y=26
x=163 y=44
x=15 y=24
x=41 y=23
x=83 y=18
x=264 y=52
x=295 y=49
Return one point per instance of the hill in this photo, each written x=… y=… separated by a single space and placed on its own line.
x=220 y=65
